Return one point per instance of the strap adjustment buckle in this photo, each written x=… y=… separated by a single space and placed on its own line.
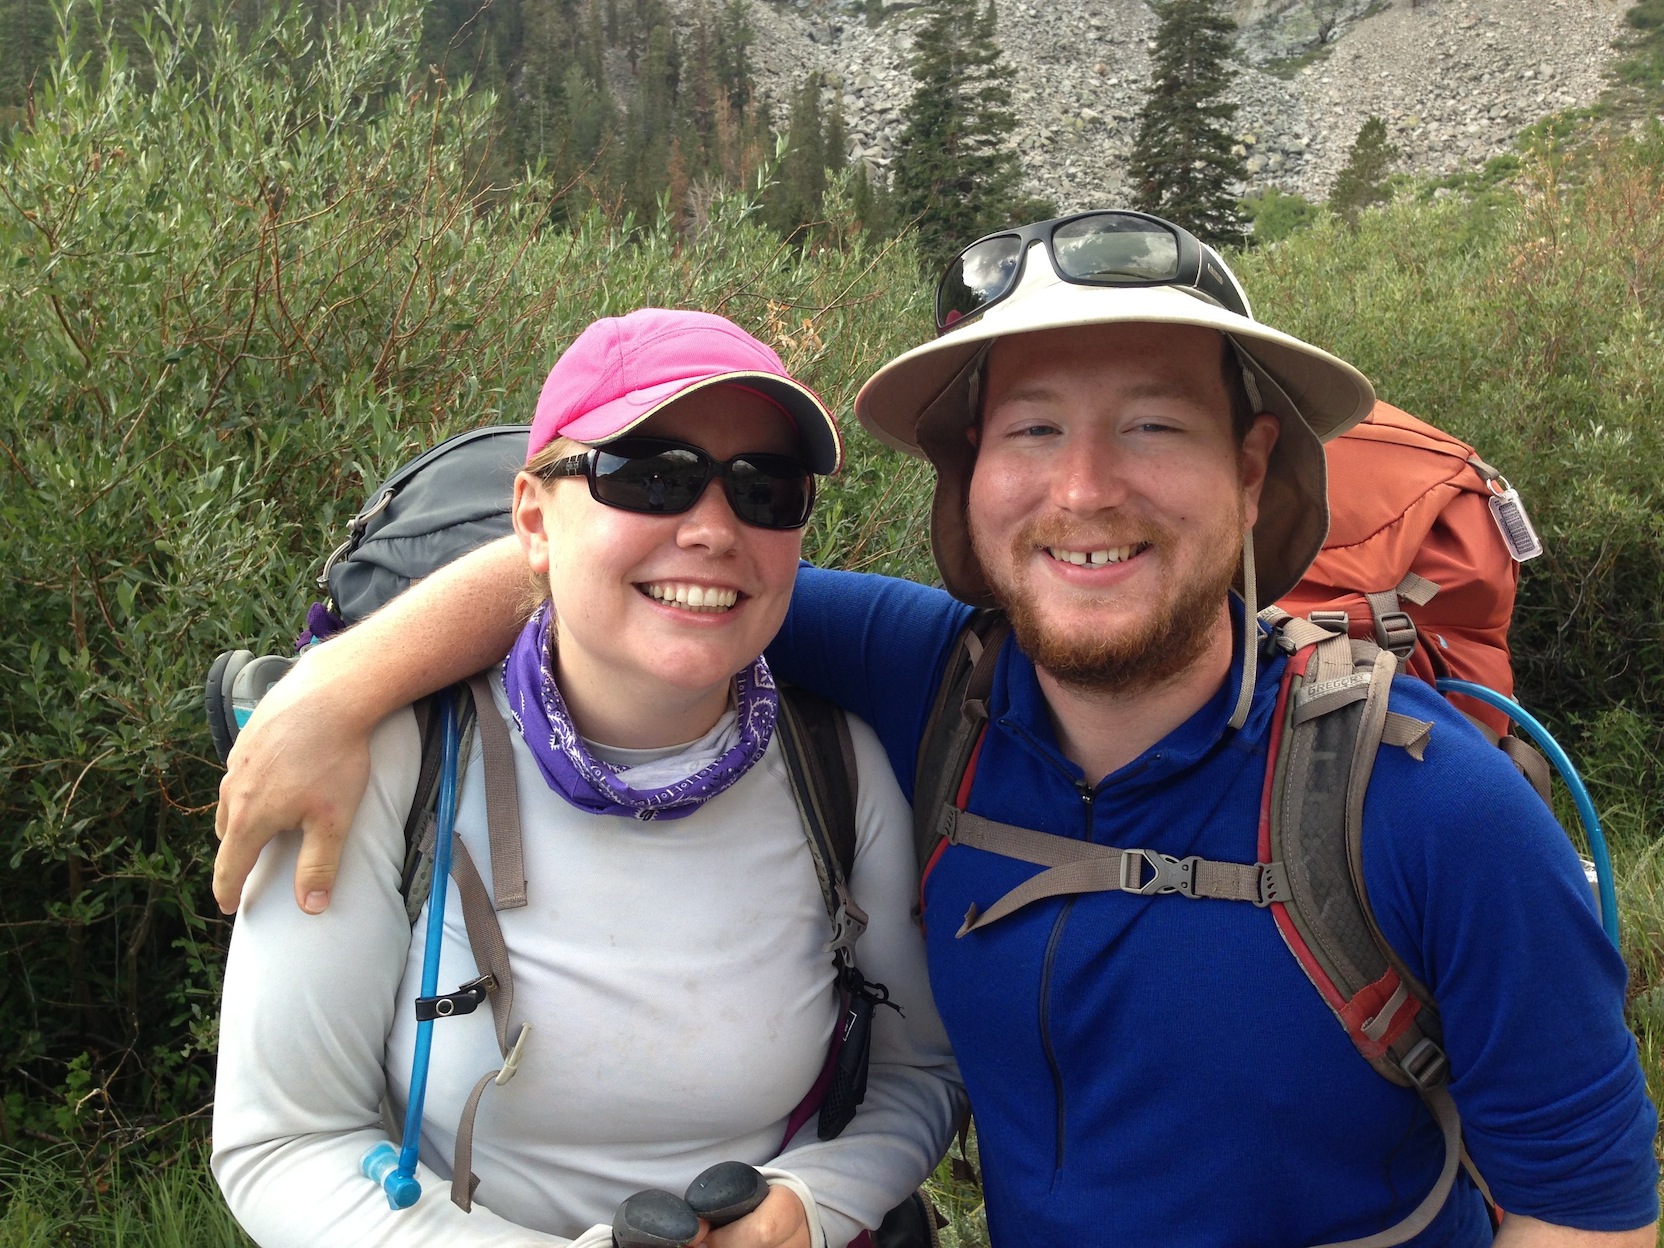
x=1167 y=874
x=465 y=1000
x=848 y=924
x=511 y=1059
x=1395 y=631
x=1426 y=1065
x=1273 y=884
x=1337 y=622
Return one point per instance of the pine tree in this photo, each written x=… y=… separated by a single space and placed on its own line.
x=1182 y=166
x=834 y=147
x=1363 y=180
x=700 y=95
x=871 y=202
x=590 y=113
x=955 y=176
x=734 y=35
x=539 y=113
x=793 y=201
x=592 y=52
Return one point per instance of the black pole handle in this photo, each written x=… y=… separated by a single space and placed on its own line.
x=654 y=1219
x=727 y=1192
x=658 y=1219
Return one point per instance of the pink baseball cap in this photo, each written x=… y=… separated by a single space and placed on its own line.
x=622 y=369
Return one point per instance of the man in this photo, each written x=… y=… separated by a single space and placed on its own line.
x=1117 y=443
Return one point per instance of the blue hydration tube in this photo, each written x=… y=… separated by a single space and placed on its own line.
x=1580 y=795
x=397 y=1176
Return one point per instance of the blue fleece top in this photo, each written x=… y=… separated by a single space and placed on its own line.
x=1150 y=1070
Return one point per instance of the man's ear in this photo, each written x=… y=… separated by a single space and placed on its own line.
x=1254 y=458
x=973 y=435
x=531 y=514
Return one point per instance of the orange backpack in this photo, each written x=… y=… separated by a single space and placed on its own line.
x=1414 y=557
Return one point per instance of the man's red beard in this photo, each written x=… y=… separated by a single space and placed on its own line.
x=1159 y=648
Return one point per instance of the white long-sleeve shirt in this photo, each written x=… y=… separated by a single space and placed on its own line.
x=680 y=998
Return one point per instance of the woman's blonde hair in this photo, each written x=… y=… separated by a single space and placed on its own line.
x=557 y=449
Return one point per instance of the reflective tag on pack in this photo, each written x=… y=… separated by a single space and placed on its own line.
x=1514 y=525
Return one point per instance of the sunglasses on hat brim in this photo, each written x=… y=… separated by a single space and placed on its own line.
x=658 y=477
x=1112 y=247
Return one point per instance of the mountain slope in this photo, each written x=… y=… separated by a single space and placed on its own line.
x=1454 y=79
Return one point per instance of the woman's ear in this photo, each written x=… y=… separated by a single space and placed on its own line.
x=531 y=514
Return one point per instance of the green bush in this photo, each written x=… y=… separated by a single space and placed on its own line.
x=1533 y=331
x=1273 y=214
x=232 y=300
x=244 y=284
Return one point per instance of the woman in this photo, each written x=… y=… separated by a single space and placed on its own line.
x=672 y=962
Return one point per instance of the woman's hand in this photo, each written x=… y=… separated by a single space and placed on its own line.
x=779 y=1222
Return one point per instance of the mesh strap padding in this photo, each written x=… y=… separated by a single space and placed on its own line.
x=951 y=730
x=820 y=759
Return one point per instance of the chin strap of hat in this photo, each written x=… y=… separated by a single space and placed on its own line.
x=1250 y=634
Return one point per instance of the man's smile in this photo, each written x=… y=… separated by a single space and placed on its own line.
x=1097 y=558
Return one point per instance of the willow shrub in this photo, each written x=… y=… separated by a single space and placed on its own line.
x=238 y=288
x=244 y=279
x=1533 y=330
x=1533 y=327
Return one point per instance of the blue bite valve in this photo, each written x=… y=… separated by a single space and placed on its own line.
x=381 y=1165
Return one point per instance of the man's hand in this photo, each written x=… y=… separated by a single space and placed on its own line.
x=779 y=1222
x=303 y=761
x=299 y=763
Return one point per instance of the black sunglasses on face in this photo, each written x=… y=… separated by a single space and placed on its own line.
x=1107 y=248
x=662 y=478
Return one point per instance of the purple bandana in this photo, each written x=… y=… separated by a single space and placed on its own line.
x=594 y=785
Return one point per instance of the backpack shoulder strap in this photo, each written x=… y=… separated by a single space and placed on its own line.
x=957 y=718
x=502 y=802
x=1332 y=719
x=477 y=712
x=820 y=760
x=422 y=820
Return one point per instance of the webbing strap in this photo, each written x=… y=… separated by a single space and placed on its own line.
x=1085 y=867
x=1319 y=697
x=1332 y=661
x=1478 y=1180
x=984 y=655
x=1417 y=589
x=1485 y=471
x=502 y=800
x=1297 y=633
x=1529 y=763
x=1250 y=636
x=1450 y=1125
x=479 y=916
x=485 y=938
x=463 y=1181
x=1408 y=733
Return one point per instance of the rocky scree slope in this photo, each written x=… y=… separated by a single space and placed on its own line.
x=1455 y=81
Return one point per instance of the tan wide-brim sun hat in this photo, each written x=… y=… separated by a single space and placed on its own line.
x=922 y=403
